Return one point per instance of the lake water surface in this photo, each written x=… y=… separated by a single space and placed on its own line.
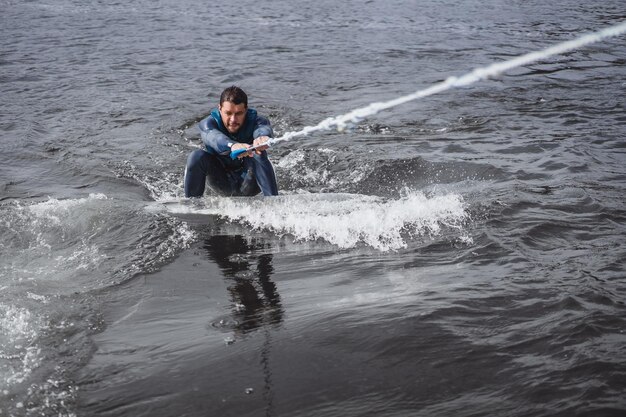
x=460 y=255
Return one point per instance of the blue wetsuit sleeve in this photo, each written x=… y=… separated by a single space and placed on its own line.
x=214 y=140
x=262 y=128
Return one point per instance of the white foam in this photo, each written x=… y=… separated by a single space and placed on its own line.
x=345 y=220
x=292 y=165
x=52 y=239
x=19 y=354
x=16 y=323
x=292 y=160
x=53 y=203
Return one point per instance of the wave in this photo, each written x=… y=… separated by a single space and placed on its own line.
x=340 y=170
x=55 y=254
x=341 y=219
x=80 y=241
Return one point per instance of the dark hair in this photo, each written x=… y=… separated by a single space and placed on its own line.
x=235 y=95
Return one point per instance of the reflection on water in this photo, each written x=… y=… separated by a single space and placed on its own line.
x=255 y=300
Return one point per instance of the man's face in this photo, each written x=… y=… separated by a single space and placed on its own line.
x=233 y=115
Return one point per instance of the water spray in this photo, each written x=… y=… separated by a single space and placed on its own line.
x=355 y=116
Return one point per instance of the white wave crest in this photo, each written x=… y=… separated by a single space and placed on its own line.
x=345 y=220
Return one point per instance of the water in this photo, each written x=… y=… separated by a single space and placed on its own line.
x=456 y=255
x=353 y=117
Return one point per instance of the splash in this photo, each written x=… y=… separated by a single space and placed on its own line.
x=344 y=220
x=72 y=241
x=355 y=116
x=52 y=255
x=50 y=240
x=19 y=353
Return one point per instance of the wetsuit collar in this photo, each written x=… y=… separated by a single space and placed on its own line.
x=243 y=135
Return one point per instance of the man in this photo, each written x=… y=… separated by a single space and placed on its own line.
x=230 y=127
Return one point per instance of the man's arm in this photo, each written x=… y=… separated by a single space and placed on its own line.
x=262 y=128
x=262 y=133
x=213 y=139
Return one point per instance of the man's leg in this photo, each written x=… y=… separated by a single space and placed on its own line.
x=195 y=173
x=200 y=165
x=263 y=171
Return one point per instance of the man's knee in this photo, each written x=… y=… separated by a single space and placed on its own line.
x=195 y=158
x=261 y=160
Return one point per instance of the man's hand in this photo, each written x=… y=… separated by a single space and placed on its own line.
x=241 y=146
x=260 y=143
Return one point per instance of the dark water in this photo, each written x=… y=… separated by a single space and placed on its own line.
x=459 y=255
